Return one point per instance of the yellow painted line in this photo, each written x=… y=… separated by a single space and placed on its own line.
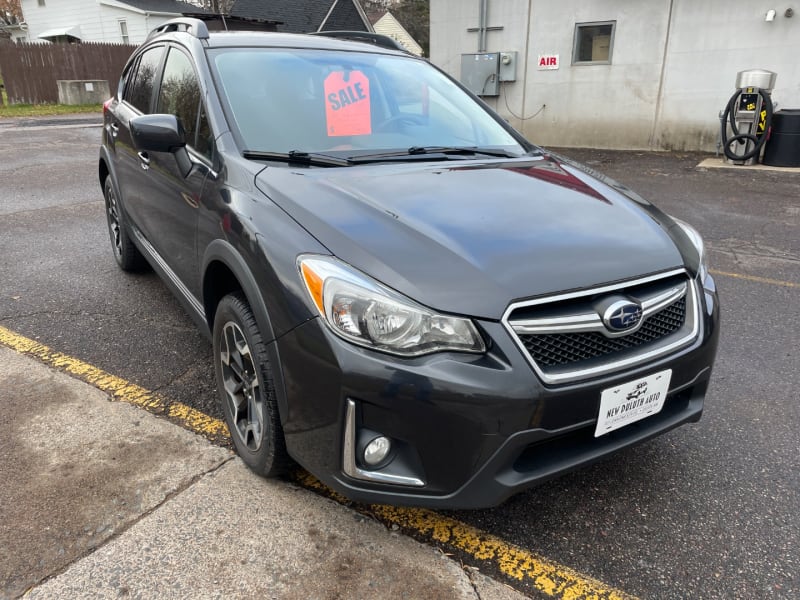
x=530 y=570
x=766 y=280
x=118 y=388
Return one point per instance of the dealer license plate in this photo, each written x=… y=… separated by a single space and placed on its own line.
x=630 y=402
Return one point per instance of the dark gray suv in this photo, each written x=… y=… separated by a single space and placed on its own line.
x=404 y=296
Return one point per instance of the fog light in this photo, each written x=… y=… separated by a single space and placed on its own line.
x=377 y=450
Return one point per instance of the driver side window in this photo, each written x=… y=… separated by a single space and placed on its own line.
x=179 y=95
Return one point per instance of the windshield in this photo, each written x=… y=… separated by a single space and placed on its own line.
x=349 y=103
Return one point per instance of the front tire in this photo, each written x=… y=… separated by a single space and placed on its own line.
x=246 y=389
x=126 y=253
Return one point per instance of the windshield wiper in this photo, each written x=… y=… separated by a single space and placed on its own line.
x=434 y=152
x=462 y=150
x=295 y=157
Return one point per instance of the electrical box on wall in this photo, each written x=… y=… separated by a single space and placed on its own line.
x=483 y=73
x=480 y=73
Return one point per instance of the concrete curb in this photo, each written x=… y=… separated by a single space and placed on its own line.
x=720 y=163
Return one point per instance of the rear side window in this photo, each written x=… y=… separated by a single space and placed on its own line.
x=140 y=87
x=179 y=95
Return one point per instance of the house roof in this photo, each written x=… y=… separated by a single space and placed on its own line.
x=346 y=15
x=163 y=6
x=375 y=15
x=304 y=16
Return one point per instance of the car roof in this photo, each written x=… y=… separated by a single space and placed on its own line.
x=266 y=39
x=348 y=41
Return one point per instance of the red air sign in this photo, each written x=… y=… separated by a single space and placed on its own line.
x=548 y=62
x=347 y=104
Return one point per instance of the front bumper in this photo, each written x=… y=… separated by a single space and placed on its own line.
x=469 y=430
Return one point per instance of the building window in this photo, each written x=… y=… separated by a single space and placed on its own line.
x=593 y=43
x=41 y=3
x=123 y=31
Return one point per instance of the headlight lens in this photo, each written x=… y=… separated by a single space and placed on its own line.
x=697 y=242
x=365 y=312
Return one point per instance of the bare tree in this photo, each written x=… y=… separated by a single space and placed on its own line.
x=10 y=12
x=415 y=16
x=215 y=6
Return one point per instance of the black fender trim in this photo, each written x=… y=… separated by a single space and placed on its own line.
x=224 y=252
x=106 y=160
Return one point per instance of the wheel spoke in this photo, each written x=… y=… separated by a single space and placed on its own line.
x=230 y=355
x=249 y=436
x=254 y=409
x=234 y=389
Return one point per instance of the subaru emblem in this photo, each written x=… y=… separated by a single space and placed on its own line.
x=622 y=315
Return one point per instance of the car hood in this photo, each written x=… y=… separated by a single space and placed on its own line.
x=470 y=237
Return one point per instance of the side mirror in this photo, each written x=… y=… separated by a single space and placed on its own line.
x=157 y=133
x=161 y=133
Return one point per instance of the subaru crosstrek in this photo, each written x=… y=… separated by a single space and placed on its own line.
x=404 y=295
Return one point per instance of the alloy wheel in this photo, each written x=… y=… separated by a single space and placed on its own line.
x=113 y=221
x=241 y=386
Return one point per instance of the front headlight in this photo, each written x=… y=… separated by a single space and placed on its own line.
x=365 y=312
x=697 y=242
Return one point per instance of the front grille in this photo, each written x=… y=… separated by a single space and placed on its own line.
x=556 y=349
x=565 y=339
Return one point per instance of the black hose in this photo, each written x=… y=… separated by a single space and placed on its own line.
x=742 y=138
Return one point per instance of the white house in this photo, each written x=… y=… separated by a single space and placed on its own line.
x=384 y=22
x=650 y=74
x=122 y=21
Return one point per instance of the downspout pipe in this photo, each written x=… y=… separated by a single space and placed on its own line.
x=483 y=20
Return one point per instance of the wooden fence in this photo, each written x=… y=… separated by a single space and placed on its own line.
x=30 y=71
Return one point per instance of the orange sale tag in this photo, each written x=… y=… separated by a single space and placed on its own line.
x=347 y=105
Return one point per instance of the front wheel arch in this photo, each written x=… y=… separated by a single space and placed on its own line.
x=225 y=271
x=103 y=171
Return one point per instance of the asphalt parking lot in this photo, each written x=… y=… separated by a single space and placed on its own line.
x=710 y=510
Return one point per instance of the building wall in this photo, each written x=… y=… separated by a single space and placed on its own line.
x=710 y=42
x=97 y=22
x=673 y=66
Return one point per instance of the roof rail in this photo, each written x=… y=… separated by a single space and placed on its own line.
x=376 y=39
x=195 y=27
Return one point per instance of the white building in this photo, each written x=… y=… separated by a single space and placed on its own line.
x=650 y=74
x=120 y=21
x=385 y=23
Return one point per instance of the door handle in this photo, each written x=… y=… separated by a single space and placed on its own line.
x=114 y=129
x=145 y=160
